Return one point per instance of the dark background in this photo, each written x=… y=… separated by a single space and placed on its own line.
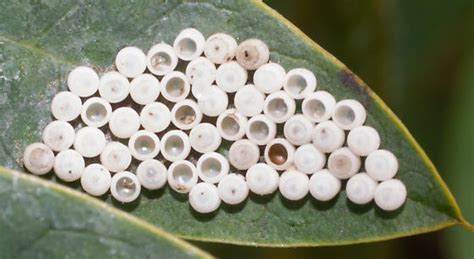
x=418 y=56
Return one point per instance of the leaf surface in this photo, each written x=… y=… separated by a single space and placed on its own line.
x=37 y=55
x=40 y=219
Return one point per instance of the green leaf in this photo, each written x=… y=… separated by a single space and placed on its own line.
x=458 y=152
x=44 y=220
x=37 y=55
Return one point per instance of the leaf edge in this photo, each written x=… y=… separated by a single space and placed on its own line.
x=457 y=220
x=397 y=122
x=91 y=201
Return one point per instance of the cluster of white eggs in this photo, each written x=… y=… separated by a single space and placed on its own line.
x=224 y=103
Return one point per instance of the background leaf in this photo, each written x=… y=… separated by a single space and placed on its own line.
x=37 y=56
x=459 y=150
x=40 y=219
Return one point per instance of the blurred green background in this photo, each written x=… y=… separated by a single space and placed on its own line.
x=418 y=56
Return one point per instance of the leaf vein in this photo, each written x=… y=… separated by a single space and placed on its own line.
x=31 y=46
x=74 y=8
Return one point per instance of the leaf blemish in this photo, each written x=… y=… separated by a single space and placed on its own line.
x=349 y=80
